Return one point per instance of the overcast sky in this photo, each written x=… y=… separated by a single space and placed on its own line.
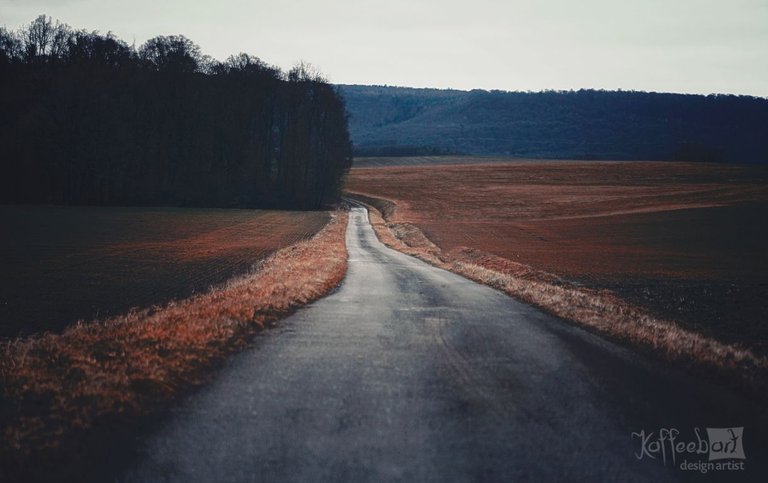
x=698 y=46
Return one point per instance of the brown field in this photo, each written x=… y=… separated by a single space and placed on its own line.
x=684 y=241
x=63 y=264
x=60 y=392
x=385 y=161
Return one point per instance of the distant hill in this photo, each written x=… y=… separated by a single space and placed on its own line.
x=585 y=124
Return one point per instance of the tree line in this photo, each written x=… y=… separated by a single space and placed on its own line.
x=584 y=124
x=86 y=118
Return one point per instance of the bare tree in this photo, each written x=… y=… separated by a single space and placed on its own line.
x=10 y=46
x=92 y=48
x=43 y=39
x=305 y=72
x=173 y=53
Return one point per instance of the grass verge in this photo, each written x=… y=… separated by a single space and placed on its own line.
x=597 y=310
x=56 y=386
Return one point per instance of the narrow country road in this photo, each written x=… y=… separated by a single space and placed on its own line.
x=412 y=373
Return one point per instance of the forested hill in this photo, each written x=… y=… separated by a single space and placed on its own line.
x=87 y=119
x=585 y=124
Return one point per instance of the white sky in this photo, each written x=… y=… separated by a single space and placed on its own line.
x=697 y=46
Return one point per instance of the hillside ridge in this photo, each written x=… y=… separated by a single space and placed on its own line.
x=583 y=124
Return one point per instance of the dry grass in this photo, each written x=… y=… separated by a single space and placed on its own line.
x=404 y=237
x=606 y=220
x=598 y=310
x=680 y=240
x=65 y=263
x=54 y=385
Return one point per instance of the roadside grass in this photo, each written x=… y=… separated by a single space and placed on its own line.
x=55 y=386
x=597 y=310
x=67 y=263
x=679 y=240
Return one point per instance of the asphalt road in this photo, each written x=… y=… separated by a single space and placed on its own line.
x=412 y=373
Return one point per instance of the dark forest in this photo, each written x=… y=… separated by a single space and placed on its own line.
x=86 y=118
x=585 y=124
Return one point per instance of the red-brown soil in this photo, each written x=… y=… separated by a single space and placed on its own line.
x=56 y=390
x=61 y=264
x=685 y=241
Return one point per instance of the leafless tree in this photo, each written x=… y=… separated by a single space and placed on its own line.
x=44 y=40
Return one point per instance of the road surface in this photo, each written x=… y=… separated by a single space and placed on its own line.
x=411 y=373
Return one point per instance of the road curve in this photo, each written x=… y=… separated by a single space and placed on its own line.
x=412 y=373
